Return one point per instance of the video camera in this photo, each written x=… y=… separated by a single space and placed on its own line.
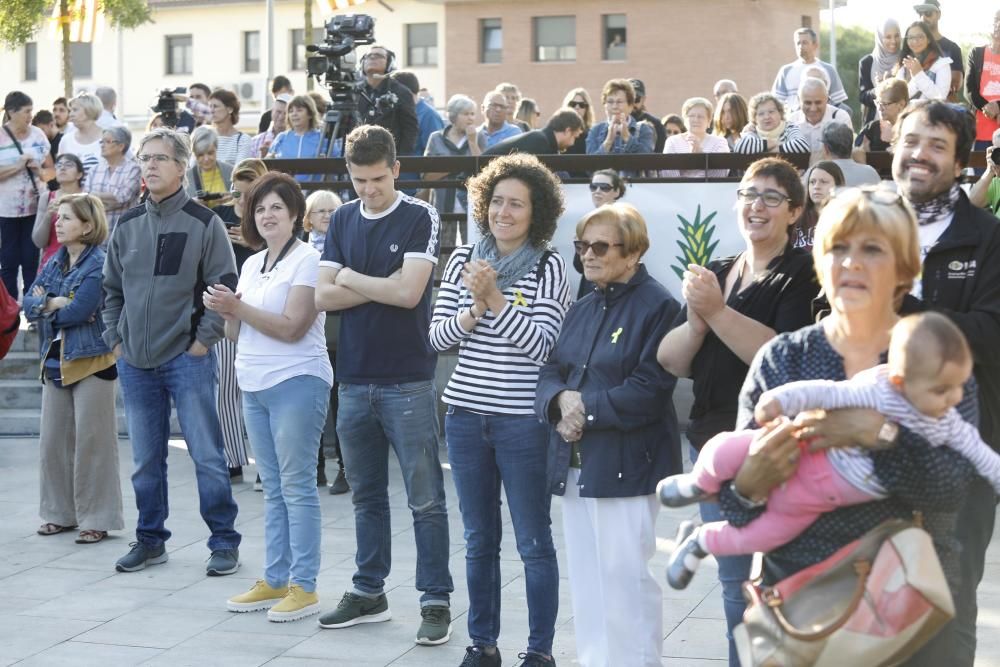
x=344 y=33
x=166 y=105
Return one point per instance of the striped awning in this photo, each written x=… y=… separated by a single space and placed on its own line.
x=85 y=19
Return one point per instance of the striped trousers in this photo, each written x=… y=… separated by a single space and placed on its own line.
x=230 y=404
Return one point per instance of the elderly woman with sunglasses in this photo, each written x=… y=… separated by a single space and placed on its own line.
x=613 y=432
x=734 y=306
x=502 y=302
x=117 y=178
x=606 y=187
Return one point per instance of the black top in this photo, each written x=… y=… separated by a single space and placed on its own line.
x=230 y=219
x=953 y=51
x=661 y=132
x=780 y=298
x=265 y=122
x=873 y=131
x=533 y=142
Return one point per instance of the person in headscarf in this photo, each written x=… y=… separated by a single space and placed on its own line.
x=879 y=65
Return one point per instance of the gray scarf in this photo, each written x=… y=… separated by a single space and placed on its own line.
x=509 y=268
x=940 y=208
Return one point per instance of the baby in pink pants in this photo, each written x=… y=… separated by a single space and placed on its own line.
x=929 y=362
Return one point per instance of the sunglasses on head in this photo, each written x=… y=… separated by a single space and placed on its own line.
x=599 y=248
x=603 y=187
x=578 y=105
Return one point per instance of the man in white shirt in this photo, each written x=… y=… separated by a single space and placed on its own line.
x=108 y=97
x=816 y=113
x=786 y=84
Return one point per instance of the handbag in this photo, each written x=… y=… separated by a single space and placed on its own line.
x=874 y=602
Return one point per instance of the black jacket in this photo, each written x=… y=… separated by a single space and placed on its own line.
x=961 y=278
x=399 y=116
x=866 y=89
x=607 y=352
x=535 y=142
x=972 y=78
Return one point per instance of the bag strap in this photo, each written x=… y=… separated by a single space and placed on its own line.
x=862 y=569
x=17 y=145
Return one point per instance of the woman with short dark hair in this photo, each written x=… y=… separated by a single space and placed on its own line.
x=285 y=376
x=69 y=176
x=302 y=139
x=233 y=145
x=612 y=433
x=768 y=130
x=923 y=65
x=78 y=443
x=502 y=302
x=620 y=133
x=24 y=152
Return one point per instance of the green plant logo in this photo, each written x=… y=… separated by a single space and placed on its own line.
x=696 y=242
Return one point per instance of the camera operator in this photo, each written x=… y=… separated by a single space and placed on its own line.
x=386 y=102
x=985 y=193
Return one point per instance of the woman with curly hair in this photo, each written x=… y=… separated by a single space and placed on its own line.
x=502 y=302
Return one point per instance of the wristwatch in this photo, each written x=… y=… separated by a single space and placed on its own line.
x=887 y=434
x=746 y=502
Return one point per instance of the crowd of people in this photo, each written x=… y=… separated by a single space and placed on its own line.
x=285 y=323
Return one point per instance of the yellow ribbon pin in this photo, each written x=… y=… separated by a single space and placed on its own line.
x=519 y=299
x=615 y=335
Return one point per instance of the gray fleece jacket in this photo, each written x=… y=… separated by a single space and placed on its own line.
x=160 y=258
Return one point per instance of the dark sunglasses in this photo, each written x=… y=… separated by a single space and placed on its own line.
x=578 y=105
x=603 y=187
x=599 y=248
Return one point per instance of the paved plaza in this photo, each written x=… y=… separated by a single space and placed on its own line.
x=66 y=606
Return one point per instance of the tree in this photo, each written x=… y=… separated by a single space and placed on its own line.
x=853 y=43
x=20 y=21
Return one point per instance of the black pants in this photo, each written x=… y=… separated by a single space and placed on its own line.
x=17 y=253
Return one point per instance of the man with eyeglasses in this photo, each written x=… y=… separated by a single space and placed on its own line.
x=160 y=259
x=117 y=179
x=930 y=13
x=386 y=102
x=496 y=128
x=960 y=248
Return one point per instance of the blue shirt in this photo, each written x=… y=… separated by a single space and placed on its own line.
x=381 y=344
x=507 y=131
x=428 y=122
x=289 y=145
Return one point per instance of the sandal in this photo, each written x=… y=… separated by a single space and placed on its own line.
x=91 y=536
x=53 y=529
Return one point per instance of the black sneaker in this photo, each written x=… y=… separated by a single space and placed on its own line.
x=320 y=477
x=223 y=562
x=236 y=475
x=475 y=656
x=535 y=660
x=340 y=484
x=354 y=609
x=140 y=556
x=435 y=628
x=257 y=485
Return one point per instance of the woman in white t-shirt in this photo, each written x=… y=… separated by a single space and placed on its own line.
x=285 y=376
x=85 y=141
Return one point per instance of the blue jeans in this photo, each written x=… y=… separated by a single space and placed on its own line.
x=370 y=419
x=485 y=451
x=285 y=423
x=190 y=381
x=733 y=571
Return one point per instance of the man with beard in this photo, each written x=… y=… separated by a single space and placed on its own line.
x=960 y=250
x=386 y=102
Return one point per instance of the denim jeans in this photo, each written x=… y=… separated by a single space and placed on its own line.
x=733 y=571
x=485 y=451
x=17 y=253
x=285 y=423
x=370 y=419
x=190 y=381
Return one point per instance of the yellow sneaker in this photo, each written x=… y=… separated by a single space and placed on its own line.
x=295 y=605
x=261 y=596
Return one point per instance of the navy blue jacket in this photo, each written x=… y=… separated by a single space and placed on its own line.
x=80 y=321
x=607 y=352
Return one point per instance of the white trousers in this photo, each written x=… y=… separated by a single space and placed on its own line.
x=617 y=602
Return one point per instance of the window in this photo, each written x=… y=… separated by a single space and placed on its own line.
x=81 y=59
x=298 y=60
x=614 y=37
x=31 y=61
x=491 y=44
x=807 y=21
x=421 y=45
x=555 y=38
x=251 y=51
x=180 y=54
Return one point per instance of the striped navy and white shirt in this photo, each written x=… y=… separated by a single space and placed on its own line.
x=499 y=359
x=872 y=389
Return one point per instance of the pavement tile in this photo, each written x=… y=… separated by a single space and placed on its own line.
x=155 y=627
x=24 y=636
x=83 y=654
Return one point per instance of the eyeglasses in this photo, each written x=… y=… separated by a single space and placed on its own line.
x=323 y=212
x=158 y=158
x=578 y=105
x=916 y=38
x=603 y=187
x=235 y=194
x=377 y=56
x=884 y=103
x=771 y=198
x=599 y=248
x=65 y=164
x=497 y=107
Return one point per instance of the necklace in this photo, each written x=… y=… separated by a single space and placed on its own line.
x=281 y=256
